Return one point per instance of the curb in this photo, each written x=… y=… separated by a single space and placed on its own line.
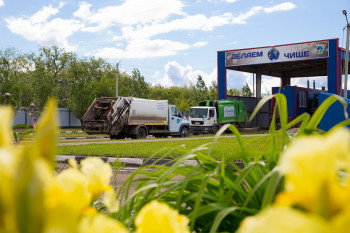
x=73 y=138
x=131 y=162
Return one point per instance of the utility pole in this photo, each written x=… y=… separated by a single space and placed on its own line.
x=346 y=57
x=116 y=80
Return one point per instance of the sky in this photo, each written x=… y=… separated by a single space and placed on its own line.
x=171 y=42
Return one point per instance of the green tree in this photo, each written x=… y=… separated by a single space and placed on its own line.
x=246 y=92
x=104 y=76
x=213 y=91
x=234 y=91
x=139 y=88
x=200 y=90
x=13 y=78
x=156 y=92
x=50 y=75
x=82 y=88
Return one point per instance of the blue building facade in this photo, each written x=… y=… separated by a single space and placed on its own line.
x=307 y=59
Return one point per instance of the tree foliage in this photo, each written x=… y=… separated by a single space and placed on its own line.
x=75 y=82
x=246 y=92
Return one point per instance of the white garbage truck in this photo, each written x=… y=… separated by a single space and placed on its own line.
x=131 y=117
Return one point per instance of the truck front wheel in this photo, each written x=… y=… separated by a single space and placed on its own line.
x=215 y=129
x=184 y=132
x=141 y=133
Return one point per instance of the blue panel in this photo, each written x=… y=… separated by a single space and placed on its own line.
x=332 y=67
x=334 y=114
x=289 y=92
x=343 y=54
x=221 y=76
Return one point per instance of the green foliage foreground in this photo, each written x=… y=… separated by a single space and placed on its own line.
x=218 y=195
x=299 y=183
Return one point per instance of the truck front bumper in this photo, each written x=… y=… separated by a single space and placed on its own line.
x=200 y=129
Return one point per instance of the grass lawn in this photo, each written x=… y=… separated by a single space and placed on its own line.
x=173 y=149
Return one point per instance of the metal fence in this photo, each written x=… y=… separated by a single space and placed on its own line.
x=263 y=118
x=66 y=117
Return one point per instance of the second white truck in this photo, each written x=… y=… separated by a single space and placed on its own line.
x=122 y=117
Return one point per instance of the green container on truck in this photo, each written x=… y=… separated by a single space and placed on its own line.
x=210 y=115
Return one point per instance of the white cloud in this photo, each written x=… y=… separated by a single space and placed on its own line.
x=134 y=23
x=137 y=34
x=131 y=12
x=286 y=6
x=144 y=48
x=2 y=3
x=242 y=18
x=40 y=29
x=267 y=83
x=194 y=22
x=200 y=44
x=43 y=15
x=175 y=74
x=231 y=1
x=320 y=82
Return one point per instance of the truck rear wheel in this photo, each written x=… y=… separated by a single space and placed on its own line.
x=141 y=133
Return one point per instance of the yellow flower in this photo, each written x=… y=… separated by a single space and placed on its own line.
x=7 y=201
x=69 y=187
x=316 y=170
x=45 y=143
x=5 y=126
x=283 y=220
x=100 y=223
x=110 y=200
x=66 y=198
x=317 y=182
x=156 y=217
x=33 y=199
x=98 y=175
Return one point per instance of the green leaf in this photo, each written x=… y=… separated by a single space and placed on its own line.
x=271 y=188
x=321 y=110
x=223 y=213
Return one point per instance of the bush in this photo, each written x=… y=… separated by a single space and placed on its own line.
x=218 y=195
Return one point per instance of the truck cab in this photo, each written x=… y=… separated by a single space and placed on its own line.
x=203 y=120
x=210 y=115
x=176 y=120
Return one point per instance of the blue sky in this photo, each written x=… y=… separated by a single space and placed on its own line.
x=171 y=42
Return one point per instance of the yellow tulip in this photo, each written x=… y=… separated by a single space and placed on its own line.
x=5 y=126
x=100 y=223
x=312 y=166
x=34 y=199
x=283 y=220
x=47 y=127
x=156 y=217
x=98 y=175
x=7 y=202
x=110 y=200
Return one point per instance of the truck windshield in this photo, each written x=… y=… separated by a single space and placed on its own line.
x=198 y=112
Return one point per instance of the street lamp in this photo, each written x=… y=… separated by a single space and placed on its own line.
x=346 y=56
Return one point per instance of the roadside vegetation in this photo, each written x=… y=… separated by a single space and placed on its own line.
x=172 y=148
x=75 y=82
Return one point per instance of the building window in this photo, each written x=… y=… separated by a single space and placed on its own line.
x=302 y=99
